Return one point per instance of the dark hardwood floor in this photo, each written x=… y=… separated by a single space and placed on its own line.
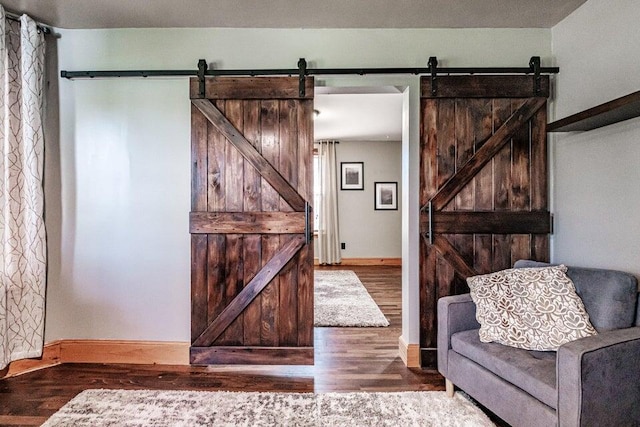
x=346 y=359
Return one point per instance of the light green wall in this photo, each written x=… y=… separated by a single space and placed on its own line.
x=596 y=174
x=179 y=48
x=366 y=232
x=123 y=241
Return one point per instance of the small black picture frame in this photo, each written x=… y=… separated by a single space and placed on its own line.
x=351 y=175
x=386 y=196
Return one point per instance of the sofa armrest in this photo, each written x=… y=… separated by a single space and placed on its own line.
x=598 y=379
x=455 y=314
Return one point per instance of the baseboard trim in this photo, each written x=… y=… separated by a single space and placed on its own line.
x=367 y=261
x=409 y=353
x=129 y=352
x=104 y=351
x=136 y=353
x=50 y=357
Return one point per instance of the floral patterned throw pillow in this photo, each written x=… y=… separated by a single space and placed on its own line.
x=529 y=308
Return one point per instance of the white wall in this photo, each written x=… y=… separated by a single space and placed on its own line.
x=124 y=158
x=366 y=232
x=597 y=173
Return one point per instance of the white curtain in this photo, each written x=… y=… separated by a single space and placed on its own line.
x=22 y=233
x=328 y=230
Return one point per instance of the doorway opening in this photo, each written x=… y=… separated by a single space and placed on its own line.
x=366 y=125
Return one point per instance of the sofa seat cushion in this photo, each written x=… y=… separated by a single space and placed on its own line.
x=532 y=371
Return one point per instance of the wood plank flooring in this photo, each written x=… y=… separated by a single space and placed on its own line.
x=346 y=359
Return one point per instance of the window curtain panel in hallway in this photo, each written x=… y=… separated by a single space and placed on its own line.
x=328 y=230
x=22 y=233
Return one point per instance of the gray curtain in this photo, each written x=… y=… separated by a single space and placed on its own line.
x=328 y=230
x=22 y=234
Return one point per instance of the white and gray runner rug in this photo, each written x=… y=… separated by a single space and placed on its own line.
x=342 y=300
x=205 y=408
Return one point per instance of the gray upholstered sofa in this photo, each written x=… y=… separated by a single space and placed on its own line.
x=592 y=381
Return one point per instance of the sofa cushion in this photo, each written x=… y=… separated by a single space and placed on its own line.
x=532 y=371
x=529 y=308
x=610 y=297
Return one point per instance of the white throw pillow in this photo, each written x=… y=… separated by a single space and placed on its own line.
x=529 y=308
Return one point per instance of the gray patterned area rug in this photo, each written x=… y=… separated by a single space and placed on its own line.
x=340 y=299
x=202 y=408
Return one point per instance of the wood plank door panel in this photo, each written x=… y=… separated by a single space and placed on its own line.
x=483 y=185
x=252 y=261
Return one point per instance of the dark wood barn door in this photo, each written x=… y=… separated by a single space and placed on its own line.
x=251 y=256
x=483 y=184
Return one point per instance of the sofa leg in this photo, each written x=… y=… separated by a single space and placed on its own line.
x=450 y=388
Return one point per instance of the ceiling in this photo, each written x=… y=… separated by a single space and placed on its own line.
x=358 y=114
x=297 y=13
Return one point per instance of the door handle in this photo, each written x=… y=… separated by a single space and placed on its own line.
x=308 y=232
x=430 y=216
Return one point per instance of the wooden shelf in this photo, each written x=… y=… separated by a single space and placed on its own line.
x=611 y=112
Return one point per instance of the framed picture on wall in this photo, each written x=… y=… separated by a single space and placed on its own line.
x=386 y=196
x=351 y=175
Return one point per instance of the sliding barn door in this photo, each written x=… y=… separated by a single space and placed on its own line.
x=483 y=184
x=251 y=256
